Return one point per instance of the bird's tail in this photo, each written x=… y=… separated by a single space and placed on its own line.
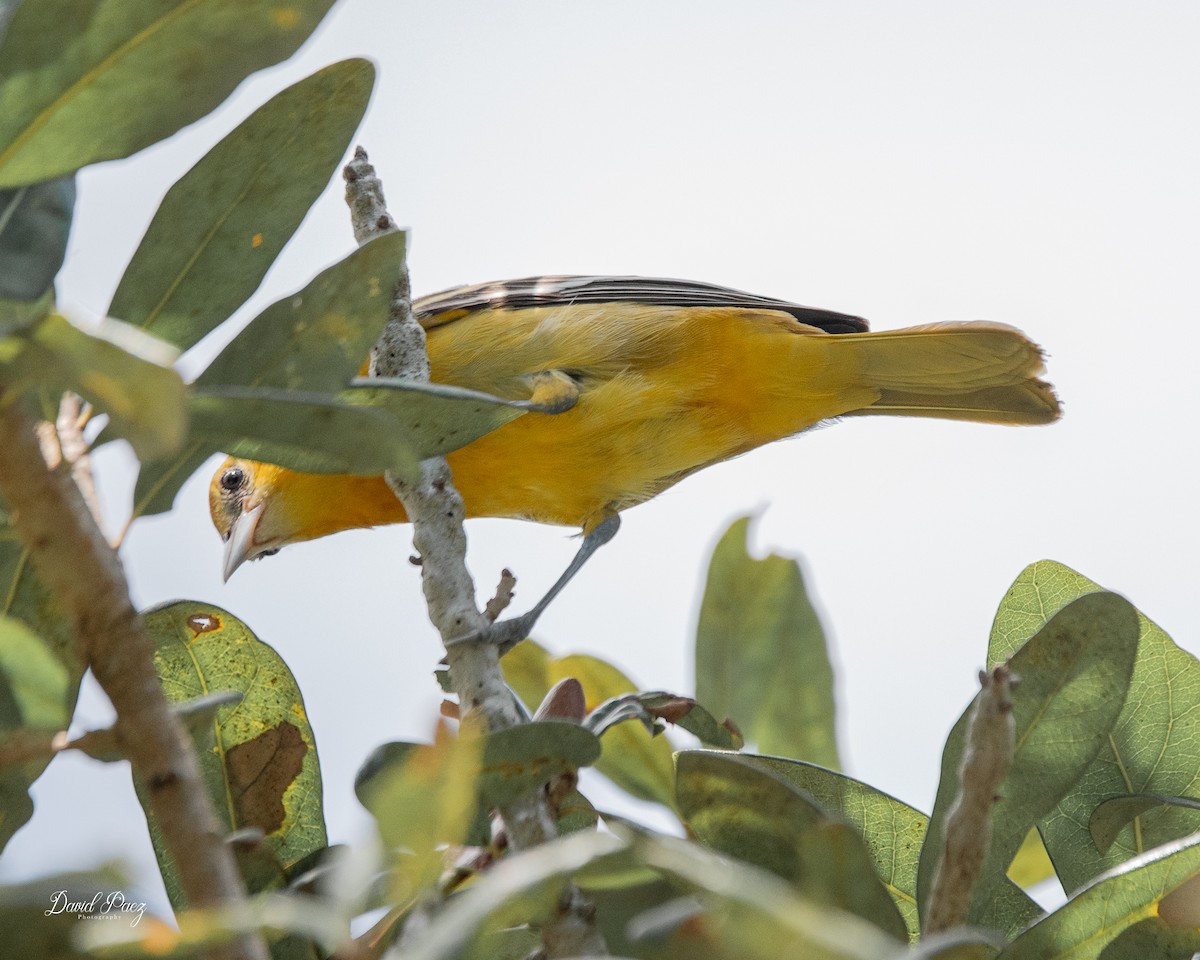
x=959 y=371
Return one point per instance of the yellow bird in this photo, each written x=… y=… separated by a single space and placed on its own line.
x=659 y=379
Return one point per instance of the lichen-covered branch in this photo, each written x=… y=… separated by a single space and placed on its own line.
x=436 y=511
x=432 y=502
x=88 y=582
x=991 y=738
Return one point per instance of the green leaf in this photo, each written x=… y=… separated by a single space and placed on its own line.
x=321 y=433
x=1115 y=901
x=747 y=812
x=514 y=763
x=760 y=653
x=1151 y=938
x=257 y=758
x=159 y=481
x=89 y=80
x=1114 y=814
x=520 y=888
x=961 y=943
x=36 y=929
x=435 y=418
x=651 y=918
x=1150 y=749
x=687 y=714
x=749 y=914
x=1074 y=674
x=318 y=338
x=34 y=223
x=221 y=226
x=524 y=758
x=39 y=684
x=297 y=926
x=143 y=399
x=37 y=695
x=422 y=796
x=575 y=813
x=893 y=832
x=24 y=598
x=18 y=315
x=515 y=943
x=302 y=431
x=315 y=340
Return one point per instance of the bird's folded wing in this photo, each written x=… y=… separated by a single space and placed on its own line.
x=450 y=305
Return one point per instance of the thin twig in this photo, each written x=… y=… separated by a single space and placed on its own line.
x=504 y=594
x=88 y=583
x=436 y=511
x=69 y=427
x=19 y=746
x=991 y=738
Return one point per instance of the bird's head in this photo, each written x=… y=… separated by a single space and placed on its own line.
x=251 y=511
x=259 y=508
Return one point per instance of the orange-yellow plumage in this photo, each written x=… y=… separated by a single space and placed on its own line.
x=663 y=390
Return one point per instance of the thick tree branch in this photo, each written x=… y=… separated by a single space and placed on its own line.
x=436 y=511
x=88 y=582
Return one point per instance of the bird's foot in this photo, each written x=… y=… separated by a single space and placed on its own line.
x=506 y=634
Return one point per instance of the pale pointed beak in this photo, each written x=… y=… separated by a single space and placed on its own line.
x=241 y=545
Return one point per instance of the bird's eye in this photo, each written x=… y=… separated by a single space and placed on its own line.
x=232 y=479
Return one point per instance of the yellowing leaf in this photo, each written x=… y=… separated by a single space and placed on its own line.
x=423 y=799
x=1031 y=865
x=631 y=757
x=1103 y=910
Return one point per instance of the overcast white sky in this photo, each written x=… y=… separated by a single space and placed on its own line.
x=1030 y=163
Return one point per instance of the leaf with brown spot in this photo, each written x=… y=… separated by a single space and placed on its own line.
x=260 y=772
x=257 y=754
x=672 y=709
x=203 y=623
